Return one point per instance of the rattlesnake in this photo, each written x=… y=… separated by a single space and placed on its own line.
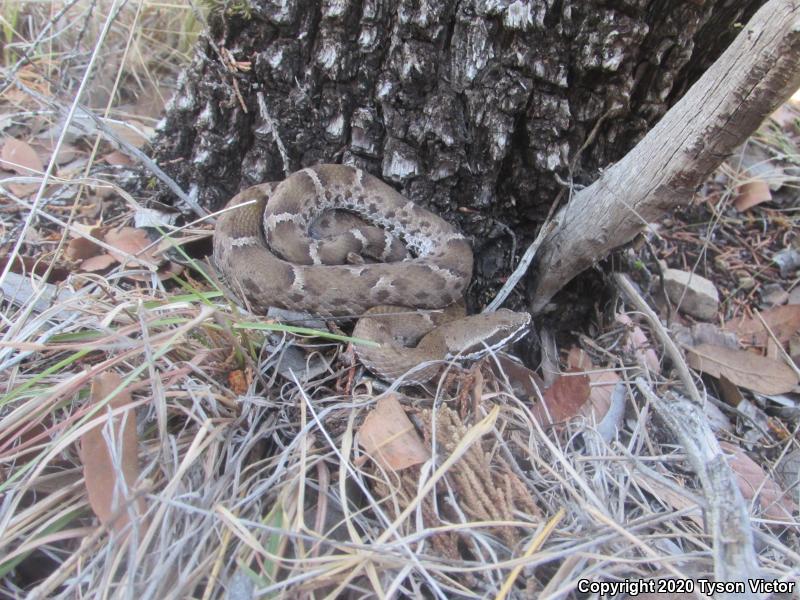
x=265 y=253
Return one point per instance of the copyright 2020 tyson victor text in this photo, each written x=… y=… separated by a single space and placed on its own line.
x=634 y=587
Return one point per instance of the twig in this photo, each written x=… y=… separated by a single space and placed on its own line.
x=727 y=516
x=626 y=287
x=521 y=269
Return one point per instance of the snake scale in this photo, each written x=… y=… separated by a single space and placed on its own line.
x=295 y=247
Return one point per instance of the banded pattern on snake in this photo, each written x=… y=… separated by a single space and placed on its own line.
x=264 y=251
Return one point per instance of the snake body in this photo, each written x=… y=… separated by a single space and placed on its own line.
x=264 y=251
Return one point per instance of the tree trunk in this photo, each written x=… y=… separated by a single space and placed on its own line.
x=755 y=75
x=474 y=109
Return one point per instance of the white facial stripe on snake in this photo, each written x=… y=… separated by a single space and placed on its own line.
x=434 y=278
x=513 y=336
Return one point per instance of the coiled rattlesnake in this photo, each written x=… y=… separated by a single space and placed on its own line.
x=265 y=252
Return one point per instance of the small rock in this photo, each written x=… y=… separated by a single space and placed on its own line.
x=773 y=294
x=693 y=294
x=788 y=261
x=747 y=282
x=704 y=333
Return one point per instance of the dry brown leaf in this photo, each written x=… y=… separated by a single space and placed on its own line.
x=524 y=382
x=164 y=272
x=389 y=437
x=136 y=135
x=237 y=381
x=118 y=159
x=730 y=393
x=794 y=348
x=784 y=321
x=751 y=479
x=578 y=359
x=23 y=190
x=80 y=248
x=100 y=476
x=745 y=369
x=562 y=400
x=601 y=387
x=601 y=384
x=132 y=241
x=24 y=265
x=752 y=193
x=170 y=269
x=66 y=153
x=773 y=350
x=97 y=263
x=21 y=158
x=638 y=342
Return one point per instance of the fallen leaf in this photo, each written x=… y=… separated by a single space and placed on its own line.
x=752 y=193
x=579 y=359
x=118 y=159
x=729 y=393
x=637 y=342
x=133 y=132
x=784 y=321
x=107 y=494
x=794 y=348
x=66 y=153
x=562 y=400
x=25 y=265
x=97 y=263
x=132 y=241
x=165 y=271
x=389 y=437
x=237 y=382
x=742 y=368
x=524 y=382
x=169 y=270
x=773 y=350
x=21 y=158
x=601 y=387
x=751 y=480
x=80 y=248
x=23 y=190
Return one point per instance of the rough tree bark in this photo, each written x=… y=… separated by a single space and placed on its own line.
x=473 y=108
x=756 y=74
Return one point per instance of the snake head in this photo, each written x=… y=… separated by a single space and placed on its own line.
x=477 y=335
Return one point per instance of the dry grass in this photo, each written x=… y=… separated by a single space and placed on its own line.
x=250 y=472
